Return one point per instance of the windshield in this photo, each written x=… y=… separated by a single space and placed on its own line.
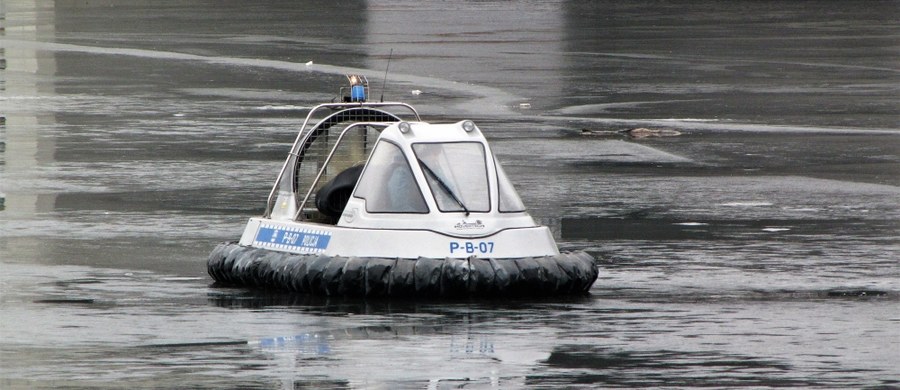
x=456 y=174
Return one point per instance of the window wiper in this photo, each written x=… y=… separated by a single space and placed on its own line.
x=443 y=185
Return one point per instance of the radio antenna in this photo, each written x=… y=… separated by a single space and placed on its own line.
x=384 y=83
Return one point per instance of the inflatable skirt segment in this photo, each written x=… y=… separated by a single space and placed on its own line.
x=231 y=264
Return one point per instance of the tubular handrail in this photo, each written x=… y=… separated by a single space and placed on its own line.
x=304 y=134
x=337 y=143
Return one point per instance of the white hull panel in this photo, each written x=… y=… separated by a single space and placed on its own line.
x=310 y=238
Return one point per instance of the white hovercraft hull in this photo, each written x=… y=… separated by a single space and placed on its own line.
x=387 y=206
x=332 y=261
x=310 y=238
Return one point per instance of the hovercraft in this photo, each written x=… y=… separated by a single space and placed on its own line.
x=372 y=201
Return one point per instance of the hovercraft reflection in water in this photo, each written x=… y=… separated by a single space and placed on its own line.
x=372 y=201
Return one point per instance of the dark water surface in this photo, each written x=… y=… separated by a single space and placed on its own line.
x=759 y=247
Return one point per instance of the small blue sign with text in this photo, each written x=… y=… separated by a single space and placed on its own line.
x=293 y=238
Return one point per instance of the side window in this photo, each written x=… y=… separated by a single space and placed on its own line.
x=388 y=185
x=509 y=199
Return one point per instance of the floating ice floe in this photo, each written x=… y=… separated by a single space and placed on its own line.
x=286 y=107
x=689 y=120
x=747 y=204
x=181 y=278
x=691 y=224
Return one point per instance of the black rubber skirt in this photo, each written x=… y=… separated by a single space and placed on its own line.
x=231 y=264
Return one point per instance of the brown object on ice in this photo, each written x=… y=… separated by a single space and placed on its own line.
x=643 y=132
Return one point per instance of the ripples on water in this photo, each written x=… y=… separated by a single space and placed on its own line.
x=138 y=328
x=757 y=248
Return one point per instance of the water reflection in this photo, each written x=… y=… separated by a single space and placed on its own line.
x=427 y=343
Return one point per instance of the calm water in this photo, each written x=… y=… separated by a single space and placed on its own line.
x=759 y=247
